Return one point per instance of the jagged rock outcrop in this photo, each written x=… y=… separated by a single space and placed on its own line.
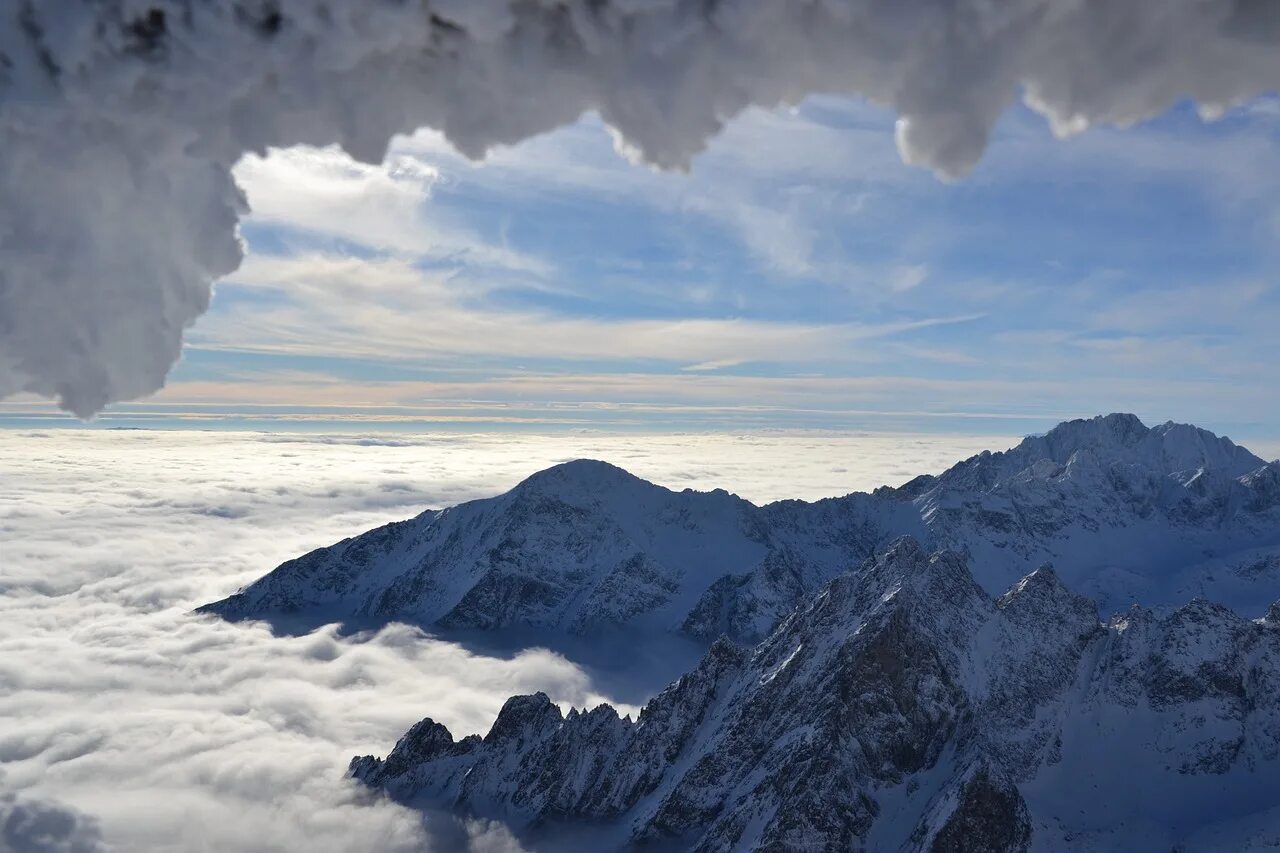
x=899 y=708
x=1124 y=512
x=983 y=811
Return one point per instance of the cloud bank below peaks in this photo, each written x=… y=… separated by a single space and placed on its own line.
x=120 y=120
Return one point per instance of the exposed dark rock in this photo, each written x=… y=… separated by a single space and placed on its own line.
x=990 y=817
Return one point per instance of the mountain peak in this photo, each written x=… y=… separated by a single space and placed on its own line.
x=580 y=471
x=1040 y=600
x=521 y=715
x=1170 y=448
x=426 y=740
x=1201 y=610
x=583 y=479
x=1193 y=447
x=1042 y=582
x=905 y=551
x=1123 y=423
x=909 y=572
x=906 y=563
x=1118 y=429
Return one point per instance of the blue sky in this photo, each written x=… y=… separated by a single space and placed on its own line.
x=799 y=276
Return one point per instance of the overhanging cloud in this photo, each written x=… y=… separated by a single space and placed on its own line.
x=120 y=121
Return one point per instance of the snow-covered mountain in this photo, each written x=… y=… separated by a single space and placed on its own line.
x=1125 y=512
x=901 y=708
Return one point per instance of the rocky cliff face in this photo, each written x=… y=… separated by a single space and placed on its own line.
x=900 y=708
x=1124 y=512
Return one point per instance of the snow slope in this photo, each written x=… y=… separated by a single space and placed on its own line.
x=902 y=708
x=1124 y=512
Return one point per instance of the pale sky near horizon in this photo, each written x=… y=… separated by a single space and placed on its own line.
x=799 y=277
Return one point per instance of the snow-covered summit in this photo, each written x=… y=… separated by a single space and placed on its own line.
x=901 y=708
x=1169 y=448
x=579 y=479
x=1118 y=439
x=1124 y=513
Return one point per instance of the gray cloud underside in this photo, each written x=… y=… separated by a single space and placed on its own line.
x=35 y=825
x=120 y=121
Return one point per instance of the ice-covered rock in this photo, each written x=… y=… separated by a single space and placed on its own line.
x=899 y=708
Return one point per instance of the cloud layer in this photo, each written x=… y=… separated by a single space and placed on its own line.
x=127 y=723
x=121 y=120
x=30 y=825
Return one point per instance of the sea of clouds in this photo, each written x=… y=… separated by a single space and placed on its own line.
x=128 y=724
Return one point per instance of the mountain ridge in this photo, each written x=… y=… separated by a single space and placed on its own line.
x=900 y=708
x=1125 y=512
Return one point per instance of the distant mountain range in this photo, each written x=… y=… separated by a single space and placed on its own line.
x=1125 y=513
x=901 y=708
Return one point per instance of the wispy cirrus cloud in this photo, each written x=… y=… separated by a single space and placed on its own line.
x=388 y=308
